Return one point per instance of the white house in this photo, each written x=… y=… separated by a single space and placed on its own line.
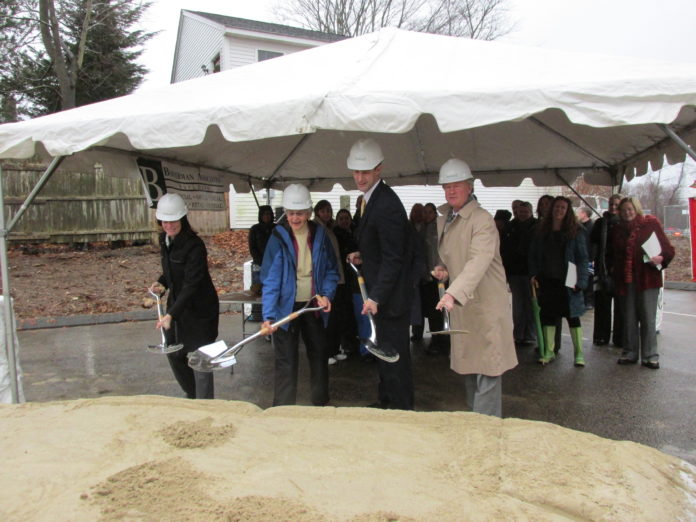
x=208 y=43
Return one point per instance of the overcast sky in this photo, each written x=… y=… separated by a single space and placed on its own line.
x=652 y=29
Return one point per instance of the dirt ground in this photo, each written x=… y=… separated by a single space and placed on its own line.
x=56 y=280
x=159 y=458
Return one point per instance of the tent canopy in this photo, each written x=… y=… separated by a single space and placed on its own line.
x=511 y=112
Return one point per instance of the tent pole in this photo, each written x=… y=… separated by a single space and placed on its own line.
x=617 y=180
x=577 y=194
x=567 y=140
x=288 y=157
x=10 y=348
x=253 y=193
x=675 y=137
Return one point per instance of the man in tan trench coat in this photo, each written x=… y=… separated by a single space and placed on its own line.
x=477 y=298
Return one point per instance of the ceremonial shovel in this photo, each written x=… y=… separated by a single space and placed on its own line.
x=218 y=355
x=386 y=354
x=162 y=347
x=445 y=316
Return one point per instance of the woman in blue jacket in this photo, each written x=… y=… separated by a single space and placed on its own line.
x=559 y=248
x=299 y=262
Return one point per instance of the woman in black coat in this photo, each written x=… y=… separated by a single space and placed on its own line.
x=192 y=304
x=604 y=327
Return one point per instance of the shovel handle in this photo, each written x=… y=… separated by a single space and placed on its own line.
x=363 y=291
x=361 y=282
x=233 y=350
x=159 y=313
x=445 y=313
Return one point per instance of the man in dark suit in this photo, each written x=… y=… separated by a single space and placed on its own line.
x=385 y=252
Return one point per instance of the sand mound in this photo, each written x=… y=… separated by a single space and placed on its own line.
x=157 y=458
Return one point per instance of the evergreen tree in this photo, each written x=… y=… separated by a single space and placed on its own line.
x=89 y=53
x=17 y=39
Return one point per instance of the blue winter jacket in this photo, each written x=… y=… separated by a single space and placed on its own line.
x=576 y=253
x=279 y=269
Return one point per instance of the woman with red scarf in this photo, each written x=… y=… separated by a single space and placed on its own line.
x=637 y=279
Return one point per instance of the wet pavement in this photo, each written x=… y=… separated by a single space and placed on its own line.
x=653 y=407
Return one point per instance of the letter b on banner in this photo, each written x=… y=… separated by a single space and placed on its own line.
x=153 y=175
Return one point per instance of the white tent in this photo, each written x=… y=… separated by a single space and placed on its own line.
x=510 y=112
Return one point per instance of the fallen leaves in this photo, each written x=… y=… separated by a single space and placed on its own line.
x=100 y=280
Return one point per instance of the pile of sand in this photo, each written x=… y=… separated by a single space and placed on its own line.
x=157 y=458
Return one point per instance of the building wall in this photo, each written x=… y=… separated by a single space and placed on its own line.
x=199 y=42
x=244 y=51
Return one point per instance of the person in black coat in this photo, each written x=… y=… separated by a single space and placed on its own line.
x=386 y=253
x=258 y=238
x=604 y=328
x=515 y=241
x=260 y=233
x=358 y=326
x=192 y=304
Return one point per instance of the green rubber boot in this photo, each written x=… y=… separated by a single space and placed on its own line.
x=576 y=336
x=549 y=344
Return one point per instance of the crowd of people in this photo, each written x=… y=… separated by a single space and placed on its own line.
x=500 y=281
x=568 y=264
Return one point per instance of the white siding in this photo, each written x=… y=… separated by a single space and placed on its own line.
x=243 y=51
x=494 y=198
x=199 y=42
x=490 y=198
x=244 y=212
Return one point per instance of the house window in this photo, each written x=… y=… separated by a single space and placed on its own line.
x=266 y=55
x=216 y=63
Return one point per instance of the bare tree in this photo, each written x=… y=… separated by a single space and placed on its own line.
x=480 y=19
x=655 y=193
x=65 y=59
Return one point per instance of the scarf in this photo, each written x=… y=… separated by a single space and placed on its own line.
x=632 y=227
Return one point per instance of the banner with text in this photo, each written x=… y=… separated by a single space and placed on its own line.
x=201 y=190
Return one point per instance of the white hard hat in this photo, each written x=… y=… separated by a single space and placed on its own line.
x=171 y=207
x=296 y=197
x=365 y=154
x=454 y=170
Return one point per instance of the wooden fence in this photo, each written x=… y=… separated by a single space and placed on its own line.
x=83 y=208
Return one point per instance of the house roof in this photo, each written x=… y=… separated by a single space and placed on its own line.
x=266 y=27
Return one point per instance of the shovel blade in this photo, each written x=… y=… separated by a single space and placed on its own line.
x=203 y=362
x=388 y=355
x=163 y=348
